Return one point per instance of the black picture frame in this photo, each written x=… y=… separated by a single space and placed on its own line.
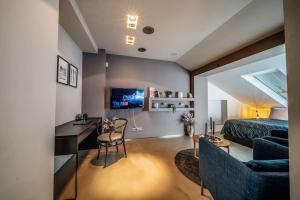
x=62 y=71
x=73 y=74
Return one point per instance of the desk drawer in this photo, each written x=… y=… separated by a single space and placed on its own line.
x=85 y=134
x=65 y=145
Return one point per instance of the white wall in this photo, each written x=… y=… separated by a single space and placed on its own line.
x=234 y=107
x=68 y=99
x=28 y=39
x=201 y=103
x=292 y=38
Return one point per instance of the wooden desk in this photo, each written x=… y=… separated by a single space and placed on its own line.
x=68 y=137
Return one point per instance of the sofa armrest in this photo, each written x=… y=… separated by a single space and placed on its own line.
x=224 y=176
x=268 y=150
x=279 y=134
x=281 y=141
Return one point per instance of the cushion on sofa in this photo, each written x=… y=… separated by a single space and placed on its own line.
x=280 y=165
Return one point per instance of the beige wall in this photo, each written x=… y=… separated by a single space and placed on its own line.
x=28 y=39
x=68 y=99
x=292 y=36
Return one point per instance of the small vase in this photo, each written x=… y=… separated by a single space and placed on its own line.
x=188 y=129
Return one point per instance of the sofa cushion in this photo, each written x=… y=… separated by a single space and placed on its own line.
x=280 y=165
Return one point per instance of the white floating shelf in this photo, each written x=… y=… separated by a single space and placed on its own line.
x=170 y=109
x=171 y=99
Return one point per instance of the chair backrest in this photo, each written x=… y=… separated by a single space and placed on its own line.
x=120 y=125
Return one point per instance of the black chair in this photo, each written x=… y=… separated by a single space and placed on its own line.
x=113 y=138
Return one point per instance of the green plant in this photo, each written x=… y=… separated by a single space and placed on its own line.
x=168 y=93
x=172 y=106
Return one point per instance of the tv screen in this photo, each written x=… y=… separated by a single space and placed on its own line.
x=126 y=98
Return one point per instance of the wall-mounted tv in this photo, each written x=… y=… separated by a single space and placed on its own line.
x=126 y=98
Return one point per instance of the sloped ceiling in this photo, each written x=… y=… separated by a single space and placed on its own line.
x=178 y=24
x=257 y=20
x=231 y=81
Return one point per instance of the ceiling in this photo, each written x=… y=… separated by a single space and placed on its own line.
x=258 y=19
x=231 y=81
x=191 y=32
x=179 y=25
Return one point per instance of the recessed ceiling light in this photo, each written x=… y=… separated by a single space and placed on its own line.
x=148 y=30
x=142 y=49
x=130 y=40
x=132 y=21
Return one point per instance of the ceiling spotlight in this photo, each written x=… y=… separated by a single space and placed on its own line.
x=148 y=30
x=142 y=49
x=132 y=21
x=130 y=40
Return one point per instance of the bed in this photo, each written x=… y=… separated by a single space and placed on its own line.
x=243 y=131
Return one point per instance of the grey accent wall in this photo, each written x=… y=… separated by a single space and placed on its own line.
x=292 y=38
x=68 y=99
x=130 y=72
x=28 y=38
x=93 y=83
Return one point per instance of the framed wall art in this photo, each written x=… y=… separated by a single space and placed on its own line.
x=73 y=75
x=62 y=71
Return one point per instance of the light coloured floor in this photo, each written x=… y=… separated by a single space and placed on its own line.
x=148 y=173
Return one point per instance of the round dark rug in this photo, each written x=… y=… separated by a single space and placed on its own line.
x=188 y=165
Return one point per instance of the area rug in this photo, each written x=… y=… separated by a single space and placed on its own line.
x=188 y=165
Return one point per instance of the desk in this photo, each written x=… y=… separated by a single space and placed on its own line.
x=69 y=136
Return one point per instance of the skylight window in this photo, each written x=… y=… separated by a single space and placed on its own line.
x=271 y=82
x=275 y=80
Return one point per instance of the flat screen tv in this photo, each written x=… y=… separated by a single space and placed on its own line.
x=126 y=98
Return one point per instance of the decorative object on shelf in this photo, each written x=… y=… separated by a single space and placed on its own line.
x=187 y=106
x=179 y=94
x=62 y=71
x=161 y=94
x=151 y=92
x=73 y=76
x=189 y=95
x=155 y=105
x=172 y=106
x=181 y=104
x=156 y=94
x=163 y=104
x=188 y=121
x=169 y=94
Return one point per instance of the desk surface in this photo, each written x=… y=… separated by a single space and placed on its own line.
x=68 y=129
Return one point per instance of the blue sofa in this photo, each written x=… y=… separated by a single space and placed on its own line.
x=230 y=179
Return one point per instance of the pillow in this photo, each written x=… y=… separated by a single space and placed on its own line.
x=280 y=165
x=279 y=113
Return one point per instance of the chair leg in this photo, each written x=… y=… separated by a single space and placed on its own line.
x=124 y=148
x=99 y=148
x=106 y=149
x=117 y=147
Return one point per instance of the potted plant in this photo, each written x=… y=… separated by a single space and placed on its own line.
x=188 y=121
x=169 y=94
x=172 y=106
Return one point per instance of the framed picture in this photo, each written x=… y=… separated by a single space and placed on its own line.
x=73 y=75
x=62 y=71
